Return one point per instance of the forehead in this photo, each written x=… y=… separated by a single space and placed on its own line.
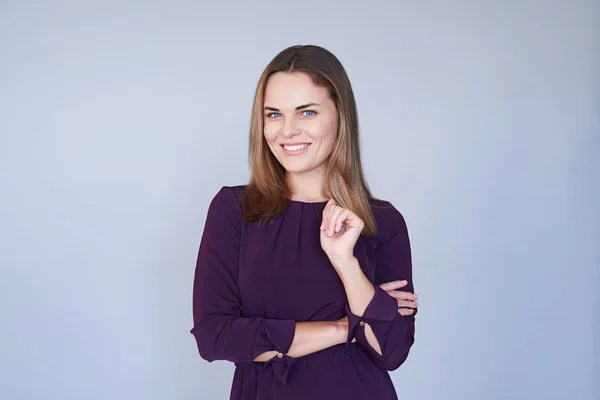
x=292 y=89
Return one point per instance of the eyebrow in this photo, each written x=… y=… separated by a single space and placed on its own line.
x=297 y=108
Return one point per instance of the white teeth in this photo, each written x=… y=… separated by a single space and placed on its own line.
x=296 y=147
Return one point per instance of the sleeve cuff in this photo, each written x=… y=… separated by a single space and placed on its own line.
x=274 y=335
x=382 y=307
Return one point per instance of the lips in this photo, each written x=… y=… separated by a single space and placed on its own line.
x=294 y=144
x=296 y=151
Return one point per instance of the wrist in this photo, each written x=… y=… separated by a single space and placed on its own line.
x=347 y=268
x=341 y=330
x=341 y=260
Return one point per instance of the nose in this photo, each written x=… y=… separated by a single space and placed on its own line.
x=290 y=127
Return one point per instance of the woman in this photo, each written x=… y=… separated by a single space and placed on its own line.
x=297 y=273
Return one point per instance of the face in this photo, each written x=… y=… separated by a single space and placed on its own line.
x=300 y=122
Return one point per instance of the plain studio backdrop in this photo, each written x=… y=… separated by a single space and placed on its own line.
x=121 y=120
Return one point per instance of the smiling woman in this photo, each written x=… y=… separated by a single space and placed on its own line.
x=298 y=272
x=290 y=130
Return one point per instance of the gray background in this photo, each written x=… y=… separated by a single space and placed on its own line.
x=120 y=120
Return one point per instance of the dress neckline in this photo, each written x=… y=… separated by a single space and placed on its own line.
x=309 y=202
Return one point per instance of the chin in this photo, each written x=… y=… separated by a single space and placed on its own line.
x=298 y=169
x=294 y=168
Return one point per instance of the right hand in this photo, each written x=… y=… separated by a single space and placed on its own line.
x=407 y=301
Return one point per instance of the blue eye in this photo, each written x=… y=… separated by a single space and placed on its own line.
x=273 y=114
x=310 y=111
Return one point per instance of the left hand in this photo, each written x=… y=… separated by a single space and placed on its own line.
x=340 y=229
x=407 y=301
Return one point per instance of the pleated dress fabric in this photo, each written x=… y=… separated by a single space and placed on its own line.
x=254 y=281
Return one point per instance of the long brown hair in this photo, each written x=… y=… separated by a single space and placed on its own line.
x=267 y=195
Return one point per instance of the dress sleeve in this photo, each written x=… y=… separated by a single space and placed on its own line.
x=220 y=330
x=394 y=332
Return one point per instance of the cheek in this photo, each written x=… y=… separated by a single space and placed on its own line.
x=322 y=130
x=270 y=132
x=326 y=132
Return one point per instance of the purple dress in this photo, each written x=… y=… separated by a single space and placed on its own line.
x=253 y=282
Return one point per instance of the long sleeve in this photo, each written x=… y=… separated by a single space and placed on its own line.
x=394 y=332
x=220 y=330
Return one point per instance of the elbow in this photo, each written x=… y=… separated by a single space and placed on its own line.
x=396 y=357
x=215 y=339
x=210 y=334
x=205 y=345
x=392 y=363
x=206 y=352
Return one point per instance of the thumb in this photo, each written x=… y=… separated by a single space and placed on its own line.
x=393 y=285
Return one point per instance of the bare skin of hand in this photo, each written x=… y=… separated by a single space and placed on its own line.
x=344 y=322
x=340 y=229
x=406 y=300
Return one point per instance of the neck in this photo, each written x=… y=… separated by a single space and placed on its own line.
x=307 y=186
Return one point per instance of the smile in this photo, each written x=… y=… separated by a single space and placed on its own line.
x=295 y=150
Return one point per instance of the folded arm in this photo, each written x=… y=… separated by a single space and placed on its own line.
x=220 y=330
x=373 y=314
x=312 y=336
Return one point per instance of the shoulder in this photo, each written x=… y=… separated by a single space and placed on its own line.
x=227 y=201
x=229 y=193
x=390 y=221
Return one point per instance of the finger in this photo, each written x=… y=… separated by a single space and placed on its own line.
x=404 y=312
x=326 y=213
x=324 y=216
x=339 y=221
x=402 y=295
x=332 y=219
x=393 y=284
x=407 y=303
